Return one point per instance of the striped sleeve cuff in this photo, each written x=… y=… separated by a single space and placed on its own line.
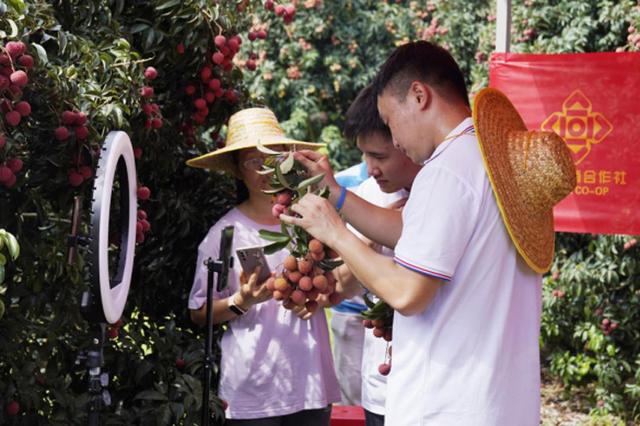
x=421 y=270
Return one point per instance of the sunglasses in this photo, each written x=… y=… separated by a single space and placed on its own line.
x=254 y=164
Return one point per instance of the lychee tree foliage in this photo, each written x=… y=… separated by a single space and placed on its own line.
x=96 y=66
x=332 y=49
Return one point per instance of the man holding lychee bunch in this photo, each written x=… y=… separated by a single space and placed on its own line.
x=391 y=176
x=469 y=245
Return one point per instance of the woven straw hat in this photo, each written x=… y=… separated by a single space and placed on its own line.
x=245 y=129
x=530 y=172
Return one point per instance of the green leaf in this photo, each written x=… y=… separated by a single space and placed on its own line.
x=139 y=27
x=273 y=190
x=42 y=54
x=263 y=149
x=287 y=164
x=274 y=236
x=310 y=181
x=275 y=247
x=323 y=192
x=168 y=4
x=1 y=303
x=1 y=274
x=368 y=301
x=266 y=171
x=152 y=395
x=17 y=5
x=330 y=264
x=12 y=245
x=143 y=370
x=3 y=260
x=280 y=176
x=14 y=27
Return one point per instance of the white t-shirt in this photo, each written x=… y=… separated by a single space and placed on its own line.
x=374 y=384
x=472 y=357
x=272 y=363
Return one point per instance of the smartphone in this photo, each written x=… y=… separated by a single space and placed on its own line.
x=252 y=257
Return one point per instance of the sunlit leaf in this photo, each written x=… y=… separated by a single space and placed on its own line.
x=42 y=53
x=263 y=149
x=287 y=164
x=309 y=182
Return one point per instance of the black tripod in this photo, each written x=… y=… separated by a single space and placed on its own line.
x=221 y=267
x=97 y=380
x=93 y=357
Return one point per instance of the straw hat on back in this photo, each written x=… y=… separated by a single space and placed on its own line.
x=530 y=172
x=245 y=129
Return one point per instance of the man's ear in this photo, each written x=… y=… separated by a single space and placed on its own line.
x=420 y=93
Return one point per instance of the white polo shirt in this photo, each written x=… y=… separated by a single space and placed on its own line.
x=374 y=384
x=472 y=357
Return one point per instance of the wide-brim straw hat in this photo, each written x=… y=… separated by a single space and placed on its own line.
x=246 y=129
x=530 y=172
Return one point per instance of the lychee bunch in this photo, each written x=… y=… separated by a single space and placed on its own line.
x=15 y=64
x=286 y=12
x=379 y=318
x=307 y=271
x=151 y=109
x=74 y=123
x=304 y=279
x=142 y=226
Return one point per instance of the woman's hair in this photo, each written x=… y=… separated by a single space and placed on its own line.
x=242 y=192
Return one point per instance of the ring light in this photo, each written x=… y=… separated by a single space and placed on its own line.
x=116 y=166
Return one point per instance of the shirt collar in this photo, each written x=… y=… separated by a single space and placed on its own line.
x=465 y=126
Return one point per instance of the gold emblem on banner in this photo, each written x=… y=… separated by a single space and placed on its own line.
x=578 y=125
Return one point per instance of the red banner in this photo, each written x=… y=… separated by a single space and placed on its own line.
x=592 y=101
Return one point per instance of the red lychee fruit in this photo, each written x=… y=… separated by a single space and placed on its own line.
x=384 y=369
x=144 y=193
x=15 y=164
x=19 y=78
x=13 y=408
x=24 y=108
x=68 y=117
x=61 y=133
x=217 y=58
x=26 y=61
x=150 y=73
x=12 y=118
x=75 y=178
x=220 y=40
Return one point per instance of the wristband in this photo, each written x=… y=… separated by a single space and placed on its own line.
x=235 y=308
x=343 y=196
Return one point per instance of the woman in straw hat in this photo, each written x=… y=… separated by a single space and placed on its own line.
x=275 y=369
x=470 y=245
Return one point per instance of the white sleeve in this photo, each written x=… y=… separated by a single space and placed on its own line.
x=208 y=248
x=438 y=221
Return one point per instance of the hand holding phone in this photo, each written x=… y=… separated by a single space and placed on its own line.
x=252 y=257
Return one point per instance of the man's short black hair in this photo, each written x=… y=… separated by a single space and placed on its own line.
x=421 y=61
x=362 y=117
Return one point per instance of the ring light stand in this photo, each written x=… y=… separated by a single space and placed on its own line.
x=106 y=297
x=221 y=267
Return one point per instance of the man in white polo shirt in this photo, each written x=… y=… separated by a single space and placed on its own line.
x=470 y=245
